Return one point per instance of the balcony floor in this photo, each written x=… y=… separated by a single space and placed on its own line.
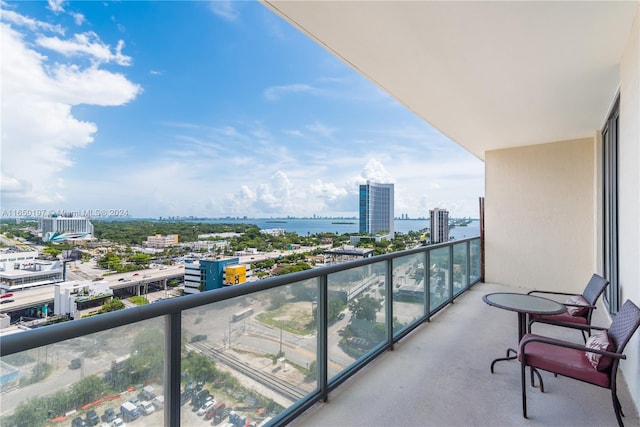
x=439 y=376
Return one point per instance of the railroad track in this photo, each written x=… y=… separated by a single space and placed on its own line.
x=281 y=387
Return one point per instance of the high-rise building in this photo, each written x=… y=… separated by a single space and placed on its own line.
x=376 y=208
x=439 y=225
x=65 y=227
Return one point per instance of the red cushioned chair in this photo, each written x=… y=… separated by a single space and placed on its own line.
x=578 y=312
x=579 y=361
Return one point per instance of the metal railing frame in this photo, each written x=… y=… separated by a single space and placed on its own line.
x=172 y=310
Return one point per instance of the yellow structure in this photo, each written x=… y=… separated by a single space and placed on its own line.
x=235 y=274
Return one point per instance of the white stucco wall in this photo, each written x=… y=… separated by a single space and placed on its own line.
x=629 y=195
x=540 y=217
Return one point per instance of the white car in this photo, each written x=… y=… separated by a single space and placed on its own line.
x=158 y=402
x=118 y=423
x=146 y=407
x=206 y=406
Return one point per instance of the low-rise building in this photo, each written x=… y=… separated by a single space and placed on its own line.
x=208 y=274
x=73 y=297
x=21 y=269
x=160 y=241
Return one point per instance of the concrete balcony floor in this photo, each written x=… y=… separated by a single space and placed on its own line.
x=439 y=376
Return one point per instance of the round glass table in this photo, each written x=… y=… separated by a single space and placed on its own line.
x=522 y=304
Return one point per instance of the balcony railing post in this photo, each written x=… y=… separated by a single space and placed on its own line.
x=172 y=368
x=451 y=290
x=427 y=284
x=389 y=303
x=323 y=346
x=468 y=245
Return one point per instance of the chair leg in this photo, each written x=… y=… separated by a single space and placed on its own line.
x=617 y=407
x=535 y=371
x=523 y=383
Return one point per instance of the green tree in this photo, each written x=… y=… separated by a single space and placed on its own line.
x=109 y=261
x=52 y=251
x=365 y=308
x=199 y=367
x=277 y=301
x=335 y=307
x=87 y=390
x=112 y=305
x=140 y=259
x=313 y=370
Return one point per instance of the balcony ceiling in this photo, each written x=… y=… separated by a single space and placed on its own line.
x=489 y=75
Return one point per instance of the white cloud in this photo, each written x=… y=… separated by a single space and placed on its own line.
x=78 y=18
x=274 y=93
x=86 y=44
x=31 y=24
x=321 y=129
x=375 y=171
x=56 y=5
x=225 y=9
x=39 y=130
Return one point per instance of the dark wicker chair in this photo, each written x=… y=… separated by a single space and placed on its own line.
x=581 y=312
x=571 y=360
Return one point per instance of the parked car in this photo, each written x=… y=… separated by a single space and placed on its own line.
x=146 y=407
x=78 y=422
x=208 y=404
x=75 y=364
x=118 y=423
x=198 y=399
x=109 y=415
x=147 y=393
x=158 y=402
x=197 y=408
x=92 y=418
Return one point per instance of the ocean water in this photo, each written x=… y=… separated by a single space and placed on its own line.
x=305 y=226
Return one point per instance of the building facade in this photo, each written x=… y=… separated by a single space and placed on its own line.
x=209 y=274
x=376 y=208
x=439 y=225
x=159 y=241
x=72 y=227
x=21 y=269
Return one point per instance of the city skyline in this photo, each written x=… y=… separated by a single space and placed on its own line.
x=205 y=109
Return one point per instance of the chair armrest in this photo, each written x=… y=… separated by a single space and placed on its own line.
x=559 y=343
x=553 y=293
x=592 y=307
x=566 y=324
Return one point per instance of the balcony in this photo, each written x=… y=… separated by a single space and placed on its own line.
x=275 y=350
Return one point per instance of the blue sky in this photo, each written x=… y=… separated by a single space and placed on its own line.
x=207 y=109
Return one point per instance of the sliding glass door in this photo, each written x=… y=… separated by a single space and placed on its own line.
x=610 y=208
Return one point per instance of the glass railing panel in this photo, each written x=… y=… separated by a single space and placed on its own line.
x=460 y=277
x=439 y=289
x=357 y=319
x=476 y=260
x=91 y=378
x=408 y=290
x=256 y=354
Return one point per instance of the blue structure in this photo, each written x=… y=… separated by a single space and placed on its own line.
x=9 y=375
x=212 y=272
x=376 y=208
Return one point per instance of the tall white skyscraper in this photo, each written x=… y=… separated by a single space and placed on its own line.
x=439 y=225
x=376 y=208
